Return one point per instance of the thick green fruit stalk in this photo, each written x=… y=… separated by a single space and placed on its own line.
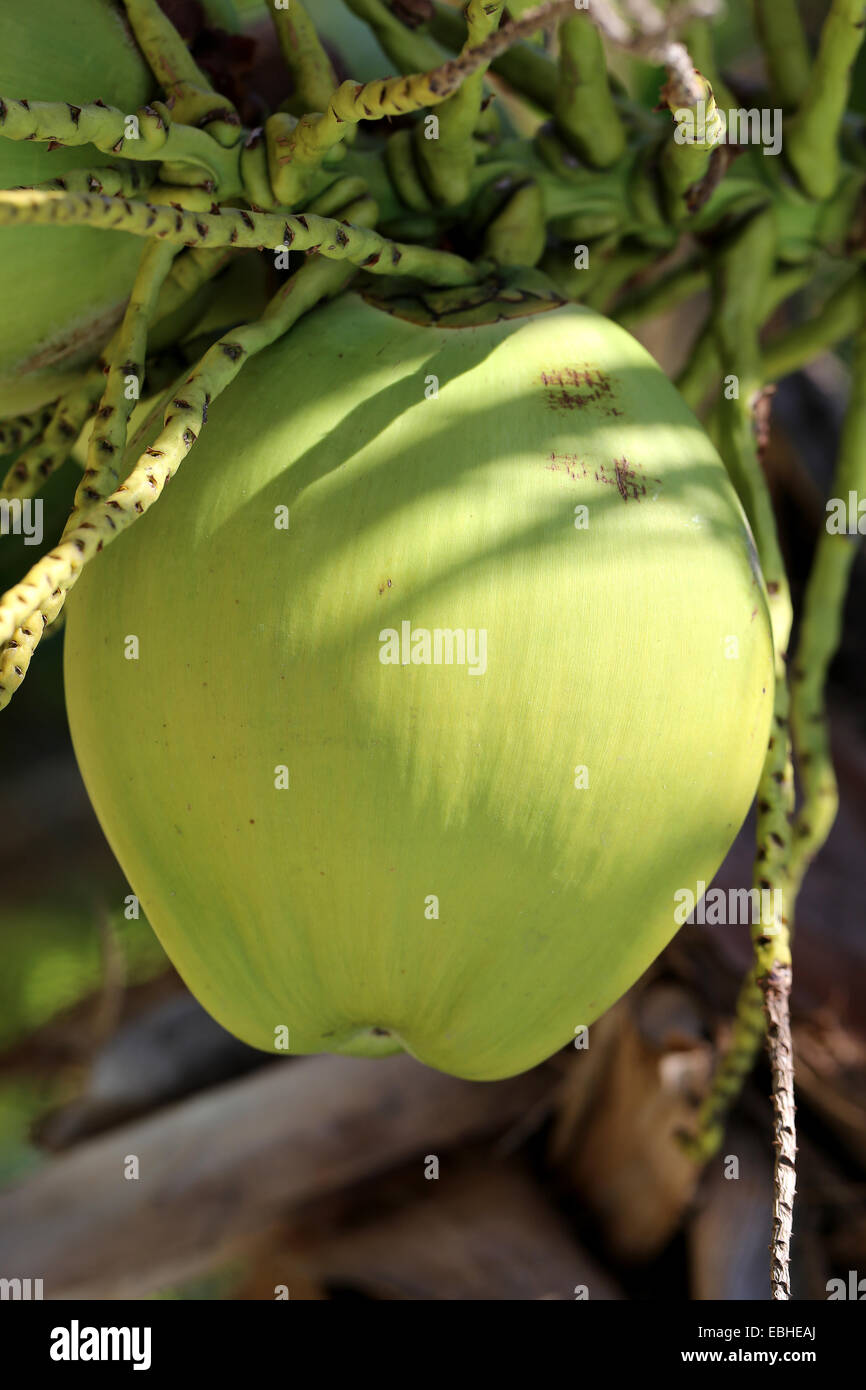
x=467 y=860
x=349 y=41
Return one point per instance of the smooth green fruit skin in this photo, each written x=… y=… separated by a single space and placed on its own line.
x=609 y=648
x=62 y=289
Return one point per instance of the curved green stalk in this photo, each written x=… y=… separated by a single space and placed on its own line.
x=53 y=445
x=665 y=293
x=698 y=38
x=517 y=235
x=791 y=351
x=124 y=365
x=146 y=134
x=698 y=133
x=812 y=137
x=296 y=151
x=701 y=369
x=614 y=273
x=105 y=127
x=339 y=241
x=114 y=180
x=821 y=628
x=408 y=49
x=786 y=52
x=17 y=432
x=836 y=320
x=526 y=68
x=586 y=114
x=337 y=196
x=313 y=75
x=741 y=270
x=447 y=159
x=194 y=100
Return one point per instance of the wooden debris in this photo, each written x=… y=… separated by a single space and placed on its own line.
x=729 y=1235
x=222 y=1167
x=482 y=1230
x=170 y=1051
x=627 y=1164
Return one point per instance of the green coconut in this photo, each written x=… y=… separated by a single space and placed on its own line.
x=451 y=667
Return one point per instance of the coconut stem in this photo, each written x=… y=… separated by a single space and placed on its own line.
x=821 y=628
x=665 y=293
x=837 y=319
x=686 y=157
x=17 y=432
x=112 y=180
x=777 y=993
x=777 y=359
x=105 y=127
x=147 y=134
x=447 y=160
x=586 y=113
x=53 y=445
x=786 y=51
x=339 y=241
x=742 y=266
x=296 y=151
x=812 y=137
x=525 y=67
x=313 y=76
x=193 y=99
x=124 y=367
